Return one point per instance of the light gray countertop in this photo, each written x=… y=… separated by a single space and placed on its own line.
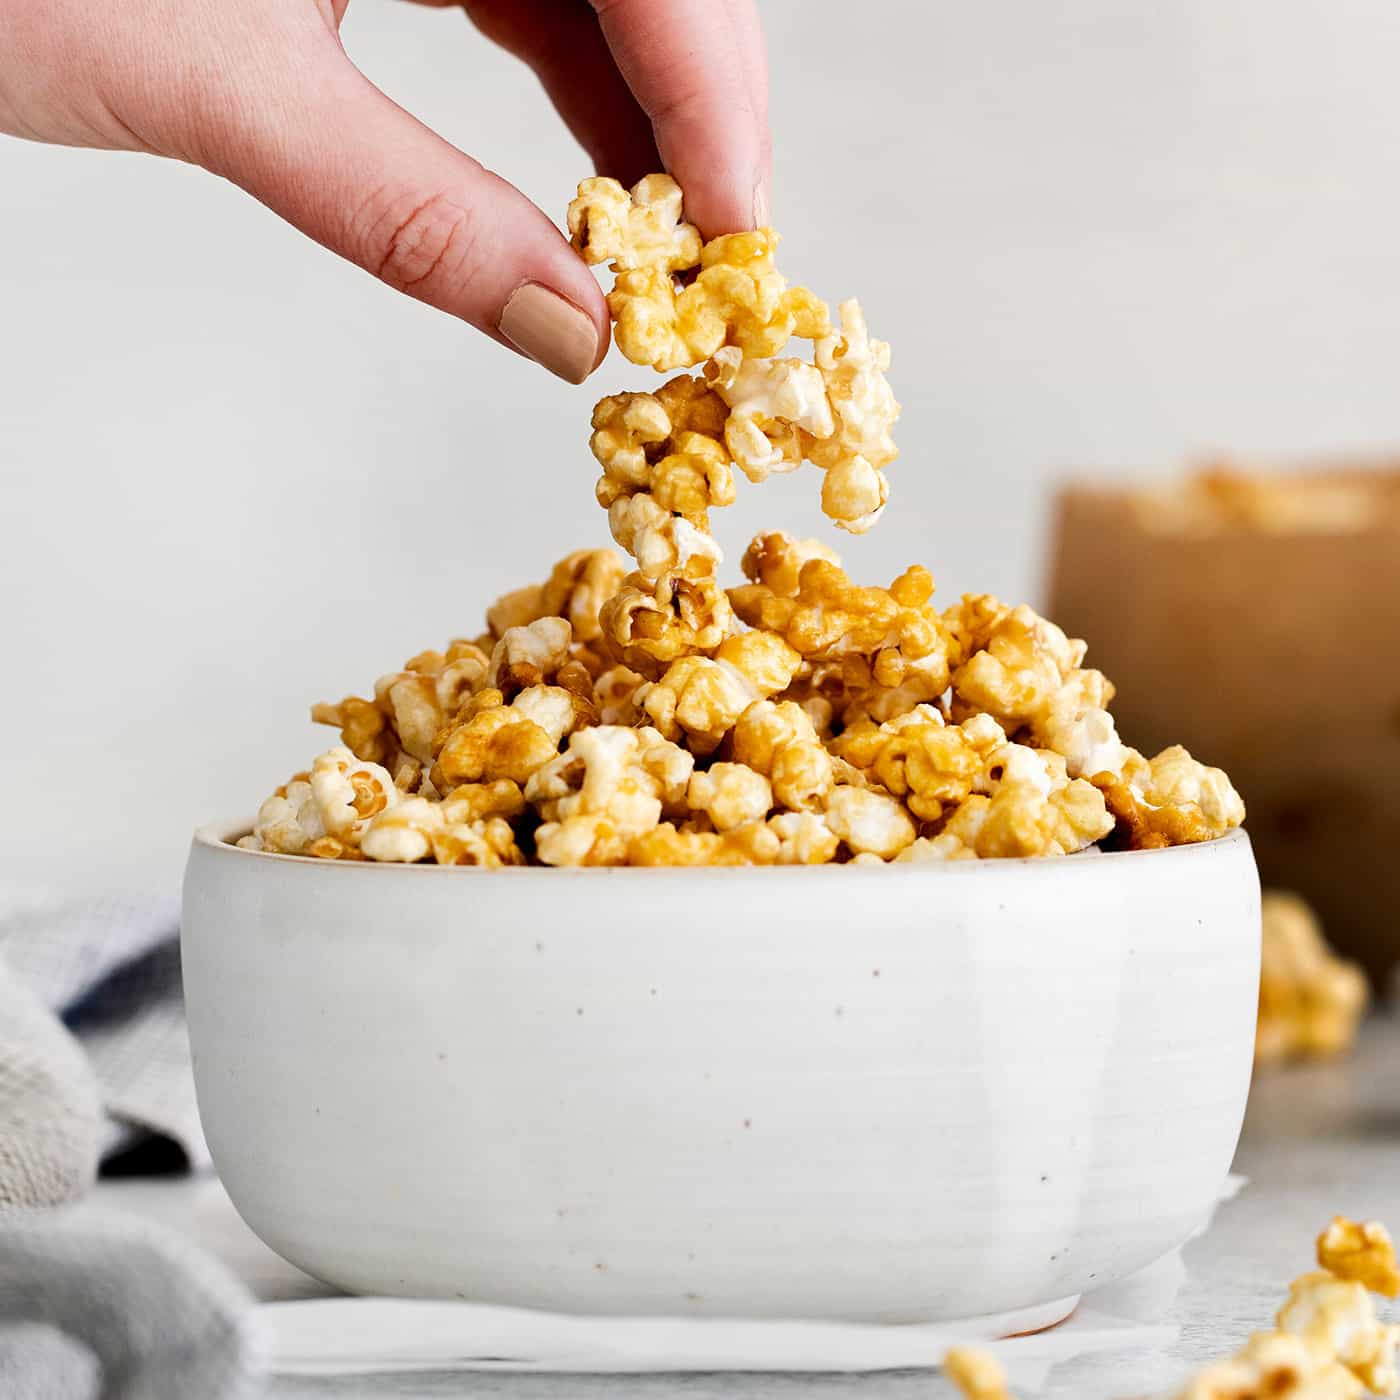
x=1317 y=1141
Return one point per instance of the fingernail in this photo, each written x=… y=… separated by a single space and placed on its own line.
x=760 y=204
x=551 y=330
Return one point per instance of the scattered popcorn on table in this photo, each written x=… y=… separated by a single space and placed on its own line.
x=1310 y=1000
x=1327 y=1344
x=647 y=715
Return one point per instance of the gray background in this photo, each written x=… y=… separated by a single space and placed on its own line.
x=237 y=475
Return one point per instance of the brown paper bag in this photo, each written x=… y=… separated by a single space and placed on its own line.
x=1257 y=621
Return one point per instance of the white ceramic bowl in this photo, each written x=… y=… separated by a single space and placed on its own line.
x=898 y=1094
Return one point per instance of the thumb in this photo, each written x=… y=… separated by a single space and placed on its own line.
x=336 y=157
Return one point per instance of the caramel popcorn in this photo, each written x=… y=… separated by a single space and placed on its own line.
x=636 y=230
x=639 y=713
x=1363 y=1254
x=1328 y=1342
x=976 y=1373
x=1310 y=1000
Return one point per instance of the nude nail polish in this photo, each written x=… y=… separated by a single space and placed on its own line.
x=551 y=330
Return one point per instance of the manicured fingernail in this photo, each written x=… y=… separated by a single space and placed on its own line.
x=760 y=204
x=551 y=330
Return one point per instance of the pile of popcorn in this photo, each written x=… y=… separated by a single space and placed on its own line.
x=648 y=716
x=1327 y=1343
x=1310 y=1000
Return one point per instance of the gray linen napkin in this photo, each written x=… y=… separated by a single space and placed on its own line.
x=102 y=1306
x=110 y=968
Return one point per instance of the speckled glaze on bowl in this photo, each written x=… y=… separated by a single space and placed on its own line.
x=912 y=1093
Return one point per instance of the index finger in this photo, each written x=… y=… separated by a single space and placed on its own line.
x=687 y=64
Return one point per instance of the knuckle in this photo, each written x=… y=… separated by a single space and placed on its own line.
x=409 y=240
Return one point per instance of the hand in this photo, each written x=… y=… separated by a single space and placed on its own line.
x=261 y=92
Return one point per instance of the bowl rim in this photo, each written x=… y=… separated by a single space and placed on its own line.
x=220 y=837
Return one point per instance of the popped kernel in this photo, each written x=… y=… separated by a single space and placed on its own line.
x=730 y=795
x=665 y=844
x=779 y=741
x=772 y=405
x=869 y=822
x=647 y=624
x=976 y=1373
x=489 y=842
x=527 y=655
x=500 y=741
x=1364 y=1254
x=609 y=785
x=699 y=699
x=804 y=838
x=348 y=792
x=403 y=832
x=578 y=586
x=775 y=561
x=1170 y=800
x=1336 y=1316
x=1310 y=1000
x=632 y=229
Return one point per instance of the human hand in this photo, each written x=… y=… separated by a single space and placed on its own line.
x=261 y=92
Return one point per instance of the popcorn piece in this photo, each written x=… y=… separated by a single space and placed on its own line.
x=625 y=427
x=527 y=655
x=348 y=793
x=829 y=616
x=1276 y=1365
x=610 y=785
x=697 y=698
x=403 y=832
x=775 y=561
x=730 y=794
x=496 y=740
x=854 y=494
x=778 y=740
x=978 y=1374
x=518 y=608
x=1170 y=801
x=578 y=586
x=932 y=765
x=615 y=691
x=804 y=839
x=1336 y=1317
x=289 y=821
x=489 y=843
x=869 y=822
x=1364 y=1254
x=659 y=541
x=737 y=298
x=1076 y=724
x=1310 y=1001
x=477 y=802
x=642 y=229
x=1021 y=668
x=853 y=368
x=752 y=844
x=772 y=404
x=647 y=625
x=364 y=728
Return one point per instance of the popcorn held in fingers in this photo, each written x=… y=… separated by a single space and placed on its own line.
x=642 y=714
x=1310 y=1001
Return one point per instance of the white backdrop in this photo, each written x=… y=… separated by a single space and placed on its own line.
x=237 y=476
